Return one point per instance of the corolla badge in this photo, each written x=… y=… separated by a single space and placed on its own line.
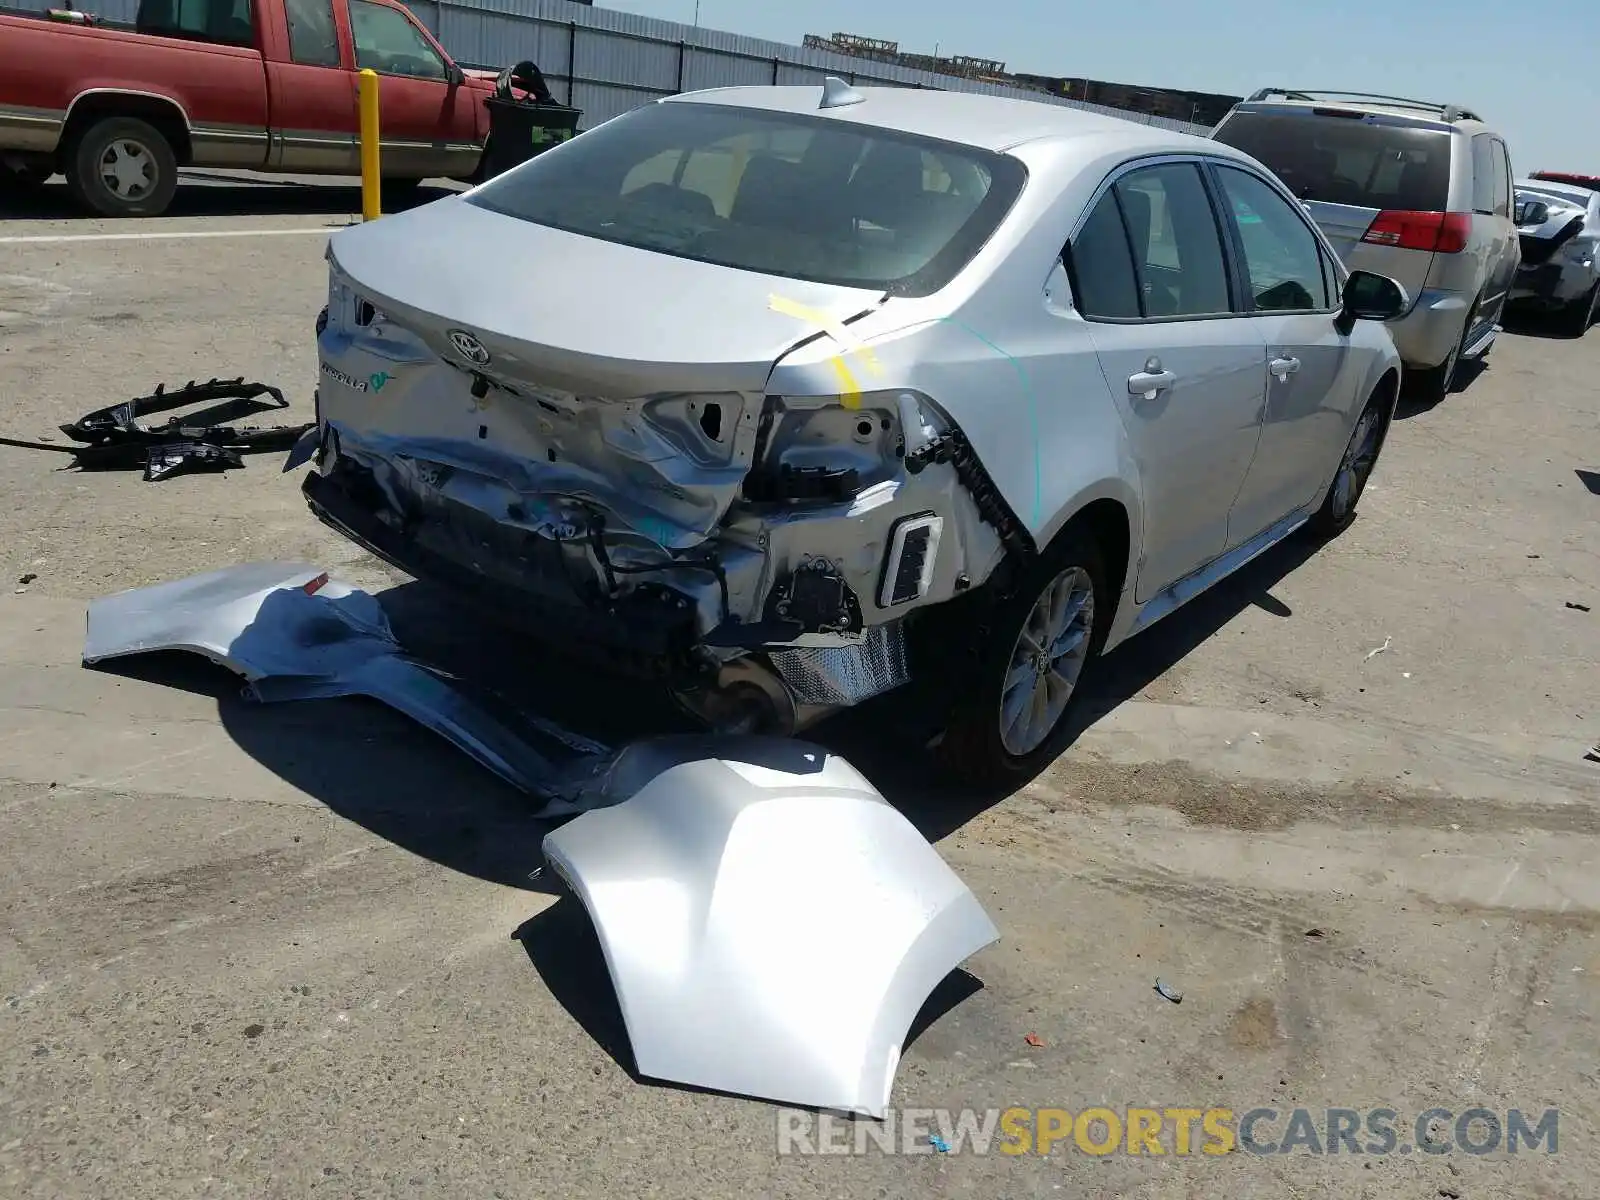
x=469 y=347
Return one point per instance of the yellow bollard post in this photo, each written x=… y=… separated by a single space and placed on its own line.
x=371 y=181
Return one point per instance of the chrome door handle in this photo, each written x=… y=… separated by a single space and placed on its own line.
x=1150 y=383
x=1284 y=367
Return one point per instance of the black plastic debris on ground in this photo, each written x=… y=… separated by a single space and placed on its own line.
x=113 y=439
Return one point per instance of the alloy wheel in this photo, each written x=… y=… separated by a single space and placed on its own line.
x=1360 y=456
x=1046 y=662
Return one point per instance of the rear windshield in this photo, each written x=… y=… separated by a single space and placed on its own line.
x=810 y=198
x=1344 y=160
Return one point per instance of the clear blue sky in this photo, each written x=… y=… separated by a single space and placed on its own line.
x=1534 y=72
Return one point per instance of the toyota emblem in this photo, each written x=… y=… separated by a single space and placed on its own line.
x=469 y=347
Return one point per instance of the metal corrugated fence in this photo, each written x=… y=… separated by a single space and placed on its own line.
x=607 y=62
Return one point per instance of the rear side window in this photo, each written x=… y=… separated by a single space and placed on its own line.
x=227 y=22
x=1177 y=247
x=313 y=37
x=1502 y=180
x=779 y=193
x=1347 y=160
x=1102 y=267
x=1483 y=172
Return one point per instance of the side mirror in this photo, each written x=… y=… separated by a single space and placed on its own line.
x=1369 y=297
x=1531 y=212
x=455 y=75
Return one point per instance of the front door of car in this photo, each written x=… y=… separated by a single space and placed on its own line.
x=1185 y=367
x=426 y=122
x=1312 y=376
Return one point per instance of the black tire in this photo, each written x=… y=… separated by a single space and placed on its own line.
x=973 y=747
x=1434 y=385
x=150 y=176
x=1338 y=511
x=1579 y=315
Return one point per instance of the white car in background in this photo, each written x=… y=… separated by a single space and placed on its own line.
x=784 y=395
x=1559 y=226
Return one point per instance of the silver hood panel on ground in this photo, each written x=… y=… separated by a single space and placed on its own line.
x=771 y=924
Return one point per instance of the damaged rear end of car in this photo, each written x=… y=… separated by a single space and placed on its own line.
x=647 y=435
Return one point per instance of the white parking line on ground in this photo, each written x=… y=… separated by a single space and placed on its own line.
x=36 y=239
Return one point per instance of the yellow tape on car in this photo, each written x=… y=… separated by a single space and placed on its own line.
x=850 y=388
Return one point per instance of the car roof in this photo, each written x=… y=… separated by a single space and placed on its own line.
x=1409 y=114
x=1567 y=191
x=986 y=122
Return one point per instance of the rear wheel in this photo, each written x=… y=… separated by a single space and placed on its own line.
x=1434 y=384
x=1039 y=641
x=123 y=167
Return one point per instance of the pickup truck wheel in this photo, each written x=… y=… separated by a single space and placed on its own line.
x=1038 y=642
x=123 y=167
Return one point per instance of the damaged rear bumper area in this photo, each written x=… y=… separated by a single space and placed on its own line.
x=1549 y=285
x=714 y=540
x=735 y=883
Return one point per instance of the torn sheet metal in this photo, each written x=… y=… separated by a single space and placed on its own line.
x=113 y=438
x=771 y=924
x=295 y=633
x=232 y=398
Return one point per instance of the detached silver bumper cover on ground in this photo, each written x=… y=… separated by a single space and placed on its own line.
x=771 y=924
x=294 y=633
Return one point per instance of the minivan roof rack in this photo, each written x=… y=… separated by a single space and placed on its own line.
x=1450 y=112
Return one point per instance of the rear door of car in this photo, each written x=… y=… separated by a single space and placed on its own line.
x=1354 y=170
x=1313 y=377
x=1151 y=275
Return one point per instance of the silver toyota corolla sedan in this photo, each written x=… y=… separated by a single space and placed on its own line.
x=785 y=396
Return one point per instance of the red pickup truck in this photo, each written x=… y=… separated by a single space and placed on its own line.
x=268 y=85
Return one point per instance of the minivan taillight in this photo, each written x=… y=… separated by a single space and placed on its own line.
x=1438 y=232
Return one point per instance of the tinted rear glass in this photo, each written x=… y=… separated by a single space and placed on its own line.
x=1342 y=160
x=780 y=193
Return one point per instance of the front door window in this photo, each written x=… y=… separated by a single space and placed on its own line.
x=388 y=43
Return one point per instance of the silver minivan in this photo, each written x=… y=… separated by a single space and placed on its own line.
x=1419 y=192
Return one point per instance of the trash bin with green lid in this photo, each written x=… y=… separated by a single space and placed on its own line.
x=521 y=127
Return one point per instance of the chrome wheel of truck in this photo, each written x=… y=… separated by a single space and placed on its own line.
x=128 y=170
x=123 y=167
